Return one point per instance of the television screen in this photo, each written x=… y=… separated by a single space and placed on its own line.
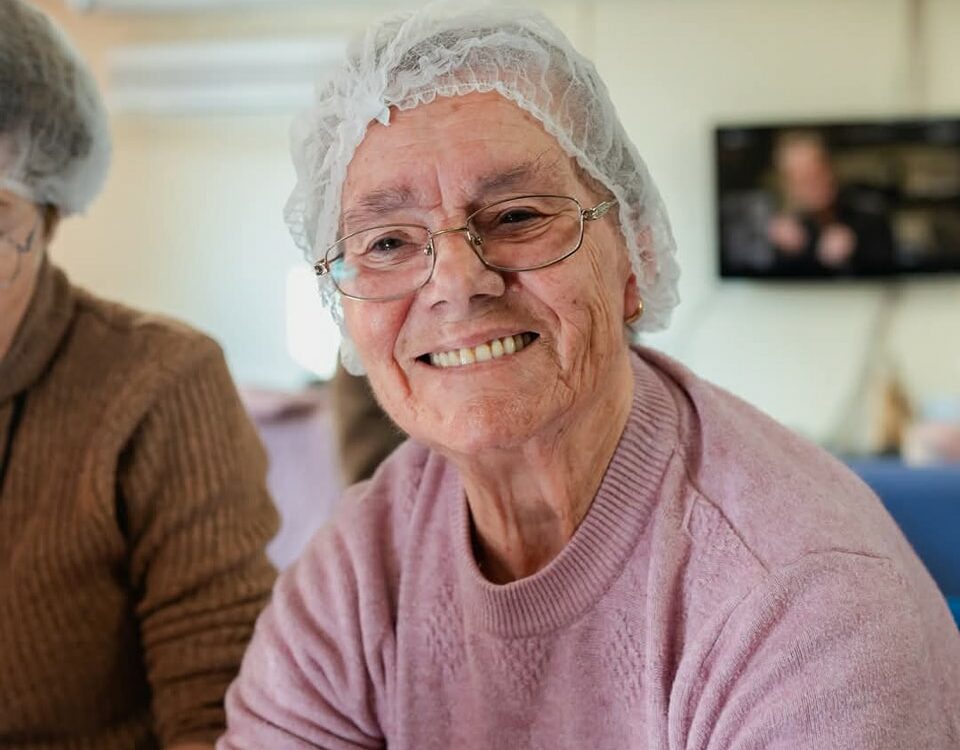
x=839 y=200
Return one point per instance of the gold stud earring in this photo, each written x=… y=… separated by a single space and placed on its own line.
x=637 y=314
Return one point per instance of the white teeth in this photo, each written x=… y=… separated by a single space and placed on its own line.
x=484 y=352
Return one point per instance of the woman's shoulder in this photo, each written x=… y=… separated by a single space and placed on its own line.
x=377 y=520
x=408 y=483
x=132 y=338
x=127 y=364
x=781 y=494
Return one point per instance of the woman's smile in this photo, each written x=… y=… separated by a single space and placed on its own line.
x=496 y=348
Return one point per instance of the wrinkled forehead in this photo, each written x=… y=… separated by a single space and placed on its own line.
x=480 y=146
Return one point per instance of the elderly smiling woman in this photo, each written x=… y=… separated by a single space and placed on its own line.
x=583 y=544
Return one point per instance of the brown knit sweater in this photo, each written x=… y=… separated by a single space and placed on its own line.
x=133 y=520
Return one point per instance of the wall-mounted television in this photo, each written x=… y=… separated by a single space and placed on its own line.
x=838 y=199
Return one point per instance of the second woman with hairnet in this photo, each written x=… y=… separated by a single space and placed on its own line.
x=133 y=509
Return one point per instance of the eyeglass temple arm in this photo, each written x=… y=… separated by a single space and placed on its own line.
x=592 y=214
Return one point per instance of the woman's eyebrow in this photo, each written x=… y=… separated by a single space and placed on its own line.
x=372 y=205
x=534 y=174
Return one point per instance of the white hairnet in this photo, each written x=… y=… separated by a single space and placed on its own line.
x=54 y=137
x=445 y=50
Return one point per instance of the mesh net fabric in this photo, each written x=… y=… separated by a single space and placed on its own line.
x=54 y=136
x=443 y=50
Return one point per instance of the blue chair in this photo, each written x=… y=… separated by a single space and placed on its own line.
x=925 y=502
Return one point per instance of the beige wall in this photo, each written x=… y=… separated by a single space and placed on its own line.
x=190 y=221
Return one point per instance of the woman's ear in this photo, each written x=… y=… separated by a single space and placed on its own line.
x=631 y=297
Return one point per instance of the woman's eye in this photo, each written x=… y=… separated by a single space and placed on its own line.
x=518 y=216
x=386 y=245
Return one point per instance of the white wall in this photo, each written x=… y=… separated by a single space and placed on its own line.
x=190 y=221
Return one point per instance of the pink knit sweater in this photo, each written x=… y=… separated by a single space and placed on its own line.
x=732 y=586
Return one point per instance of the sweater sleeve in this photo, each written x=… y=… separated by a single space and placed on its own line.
x=194 y=505
x=315 y=673
x=828 y=652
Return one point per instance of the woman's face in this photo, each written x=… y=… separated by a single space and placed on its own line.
x=434 y=165
x=22 y=242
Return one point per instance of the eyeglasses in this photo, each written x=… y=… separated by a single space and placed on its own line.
x=525 y=233
x=11 y=255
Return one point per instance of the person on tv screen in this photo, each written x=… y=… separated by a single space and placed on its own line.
x=824 y=228
x=583 y=544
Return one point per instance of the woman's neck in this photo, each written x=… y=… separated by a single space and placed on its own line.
x=526 y=503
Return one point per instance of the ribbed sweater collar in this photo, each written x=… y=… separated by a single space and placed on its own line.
x=604 y=540
x=41 y=330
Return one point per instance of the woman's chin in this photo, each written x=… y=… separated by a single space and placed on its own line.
x=484 y=425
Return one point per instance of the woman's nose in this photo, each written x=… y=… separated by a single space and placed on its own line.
x=460 y=278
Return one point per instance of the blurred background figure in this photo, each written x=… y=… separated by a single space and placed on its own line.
x=824 y=228
x=365 y=434
x=133 y=509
